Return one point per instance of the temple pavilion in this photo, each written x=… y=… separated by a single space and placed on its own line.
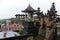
x=30 y=11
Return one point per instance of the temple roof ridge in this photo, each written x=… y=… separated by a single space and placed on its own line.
x=29 y=9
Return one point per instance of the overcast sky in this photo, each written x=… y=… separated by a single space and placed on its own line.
x=8 y=8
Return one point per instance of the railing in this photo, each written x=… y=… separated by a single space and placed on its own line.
x=23 y=37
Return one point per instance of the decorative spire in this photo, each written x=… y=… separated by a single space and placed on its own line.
x=53 y=7
x=39 y=13
x=52 y=12
x=38 y=8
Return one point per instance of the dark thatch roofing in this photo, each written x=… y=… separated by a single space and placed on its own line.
x=29 y=9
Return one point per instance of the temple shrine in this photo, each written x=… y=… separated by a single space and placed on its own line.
x=43 y=27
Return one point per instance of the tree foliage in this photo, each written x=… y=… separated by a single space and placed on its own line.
x=3 y=21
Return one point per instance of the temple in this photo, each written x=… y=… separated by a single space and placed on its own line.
x=29 y=10
x=43 y=27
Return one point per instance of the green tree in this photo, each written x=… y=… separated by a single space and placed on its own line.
x=3 y=21
x=21 y=31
